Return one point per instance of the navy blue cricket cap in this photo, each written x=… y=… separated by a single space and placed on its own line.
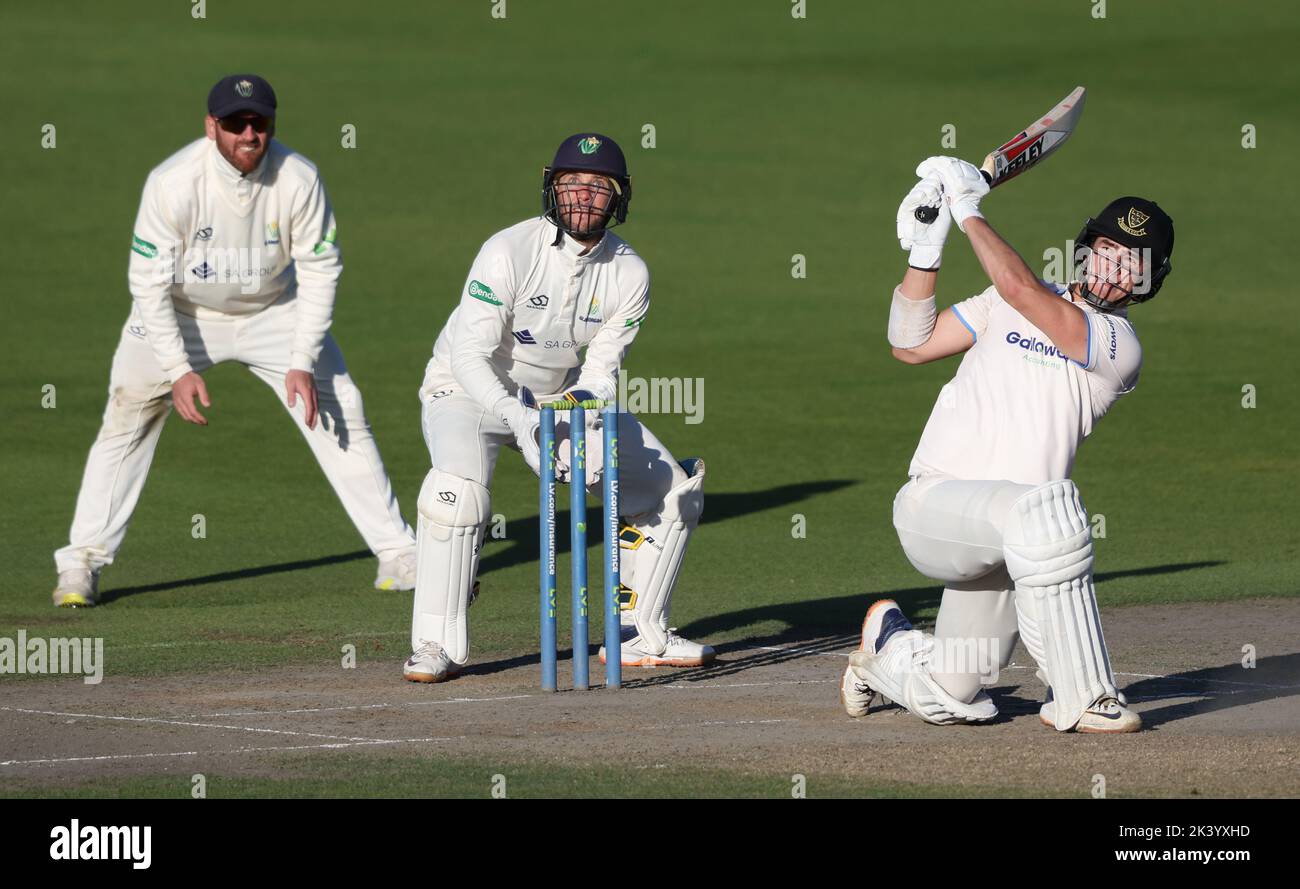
x=592 y=153
x=241 y=92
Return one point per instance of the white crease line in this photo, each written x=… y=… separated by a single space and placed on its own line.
x=113 y=756
x=355 y=707
x=164 y=721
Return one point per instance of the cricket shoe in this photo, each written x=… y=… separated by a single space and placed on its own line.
x=884 y=619
x=430 y=663
x=855 y=695
x=397 y=573
x=679 y=652
x=1107 y=716
x=77 y=588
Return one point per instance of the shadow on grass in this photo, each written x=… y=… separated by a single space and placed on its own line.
x=810 y=619
x=238 y=574
x=523 y=545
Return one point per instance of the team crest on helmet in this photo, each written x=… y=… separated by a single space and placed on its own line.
x=589 y=145
x=1136 y=219
x=244 y=88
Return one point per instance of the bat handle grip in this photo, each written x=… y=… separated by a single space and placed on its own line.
x=928 y=215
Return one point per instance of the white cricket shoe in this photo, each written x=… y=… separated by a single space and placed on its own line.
x=1107 y=716
x=679 y=652
x=884 y=618
x=855 y=695
x=77 y=588
x=397 y=573
x=429 y=663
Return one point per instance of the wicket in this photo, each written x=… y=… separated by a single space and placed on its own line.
x=578 y=529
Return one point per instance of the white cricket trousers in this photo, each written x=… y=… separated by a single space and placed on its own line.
x=139 y=401
x=951 y=530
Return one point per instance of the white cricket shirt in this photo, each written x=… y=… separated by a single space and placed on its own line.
x=1017 y=409
x=528 y=310
x=214 y=244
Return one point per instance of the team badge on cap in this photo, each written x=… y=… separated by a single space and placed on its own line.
x=1136 y=219
x=244 y=88
x=589 y=145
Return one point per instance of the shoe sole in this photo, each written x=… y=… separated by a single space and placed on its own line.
x=650 y=662
x=428 y=678
x=73 y=600
x=844 y=704
x=1088 y=730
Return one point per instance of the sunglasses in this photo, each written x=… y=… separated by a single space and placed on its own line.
x=236 y=125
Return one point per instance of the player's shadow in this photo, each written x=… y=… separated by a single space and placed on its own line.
x=522 y=545
x=813 y=619
x=238 y=574
x=818 y=627
x=1216 y=688
x=521 y=548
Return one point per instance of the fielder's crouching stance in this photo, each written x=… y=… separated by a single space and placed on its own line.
x=990 y=509
x=537 y=294
x=234 y=258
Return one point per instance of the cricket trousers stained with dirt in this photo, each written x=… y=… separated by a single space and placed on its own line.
x=139 y=402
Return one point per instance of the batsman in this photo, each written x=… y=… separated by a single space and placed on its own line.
x=548 y=311
x=989 y=508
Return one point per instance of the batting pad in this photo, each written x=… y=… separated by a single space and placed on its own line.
x=1048 y=547
x=453 y=516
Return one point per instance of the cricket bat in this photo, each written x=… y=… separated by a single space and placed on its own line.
x=1031 y=146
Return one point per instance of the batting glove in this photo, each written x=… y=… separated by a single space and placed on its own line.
x=963 y=185
x=924 y=240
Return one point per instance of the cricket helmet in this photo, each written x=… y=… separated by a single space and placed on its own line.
x=588 y=153
x=1136 y=223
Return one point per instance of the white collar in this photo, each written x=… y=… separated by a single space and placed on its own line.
x=575 y=250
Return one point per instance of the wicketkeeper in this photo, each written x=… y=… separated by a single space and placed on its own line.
x=990 y=509
x=234 y=258
x=539 y=294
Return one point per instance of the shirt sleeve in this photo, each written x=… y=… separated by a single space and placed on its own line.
x=482 y=319
x=607 y=348
x=973 y=313
x=1114 y=358
x=156 y=244
x=317 y=267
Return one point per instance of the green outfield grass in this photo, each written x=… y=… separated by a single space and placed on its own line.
x=333 y=775
x=775 y=137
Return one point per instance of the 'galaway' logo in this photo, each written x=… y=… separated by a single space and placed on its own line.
x=1034 y=344
x=89 y=843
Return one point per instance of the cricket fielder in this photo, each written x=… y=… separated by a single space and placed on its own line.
x=234 y=258
x=537 y=295
x=990 y=509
